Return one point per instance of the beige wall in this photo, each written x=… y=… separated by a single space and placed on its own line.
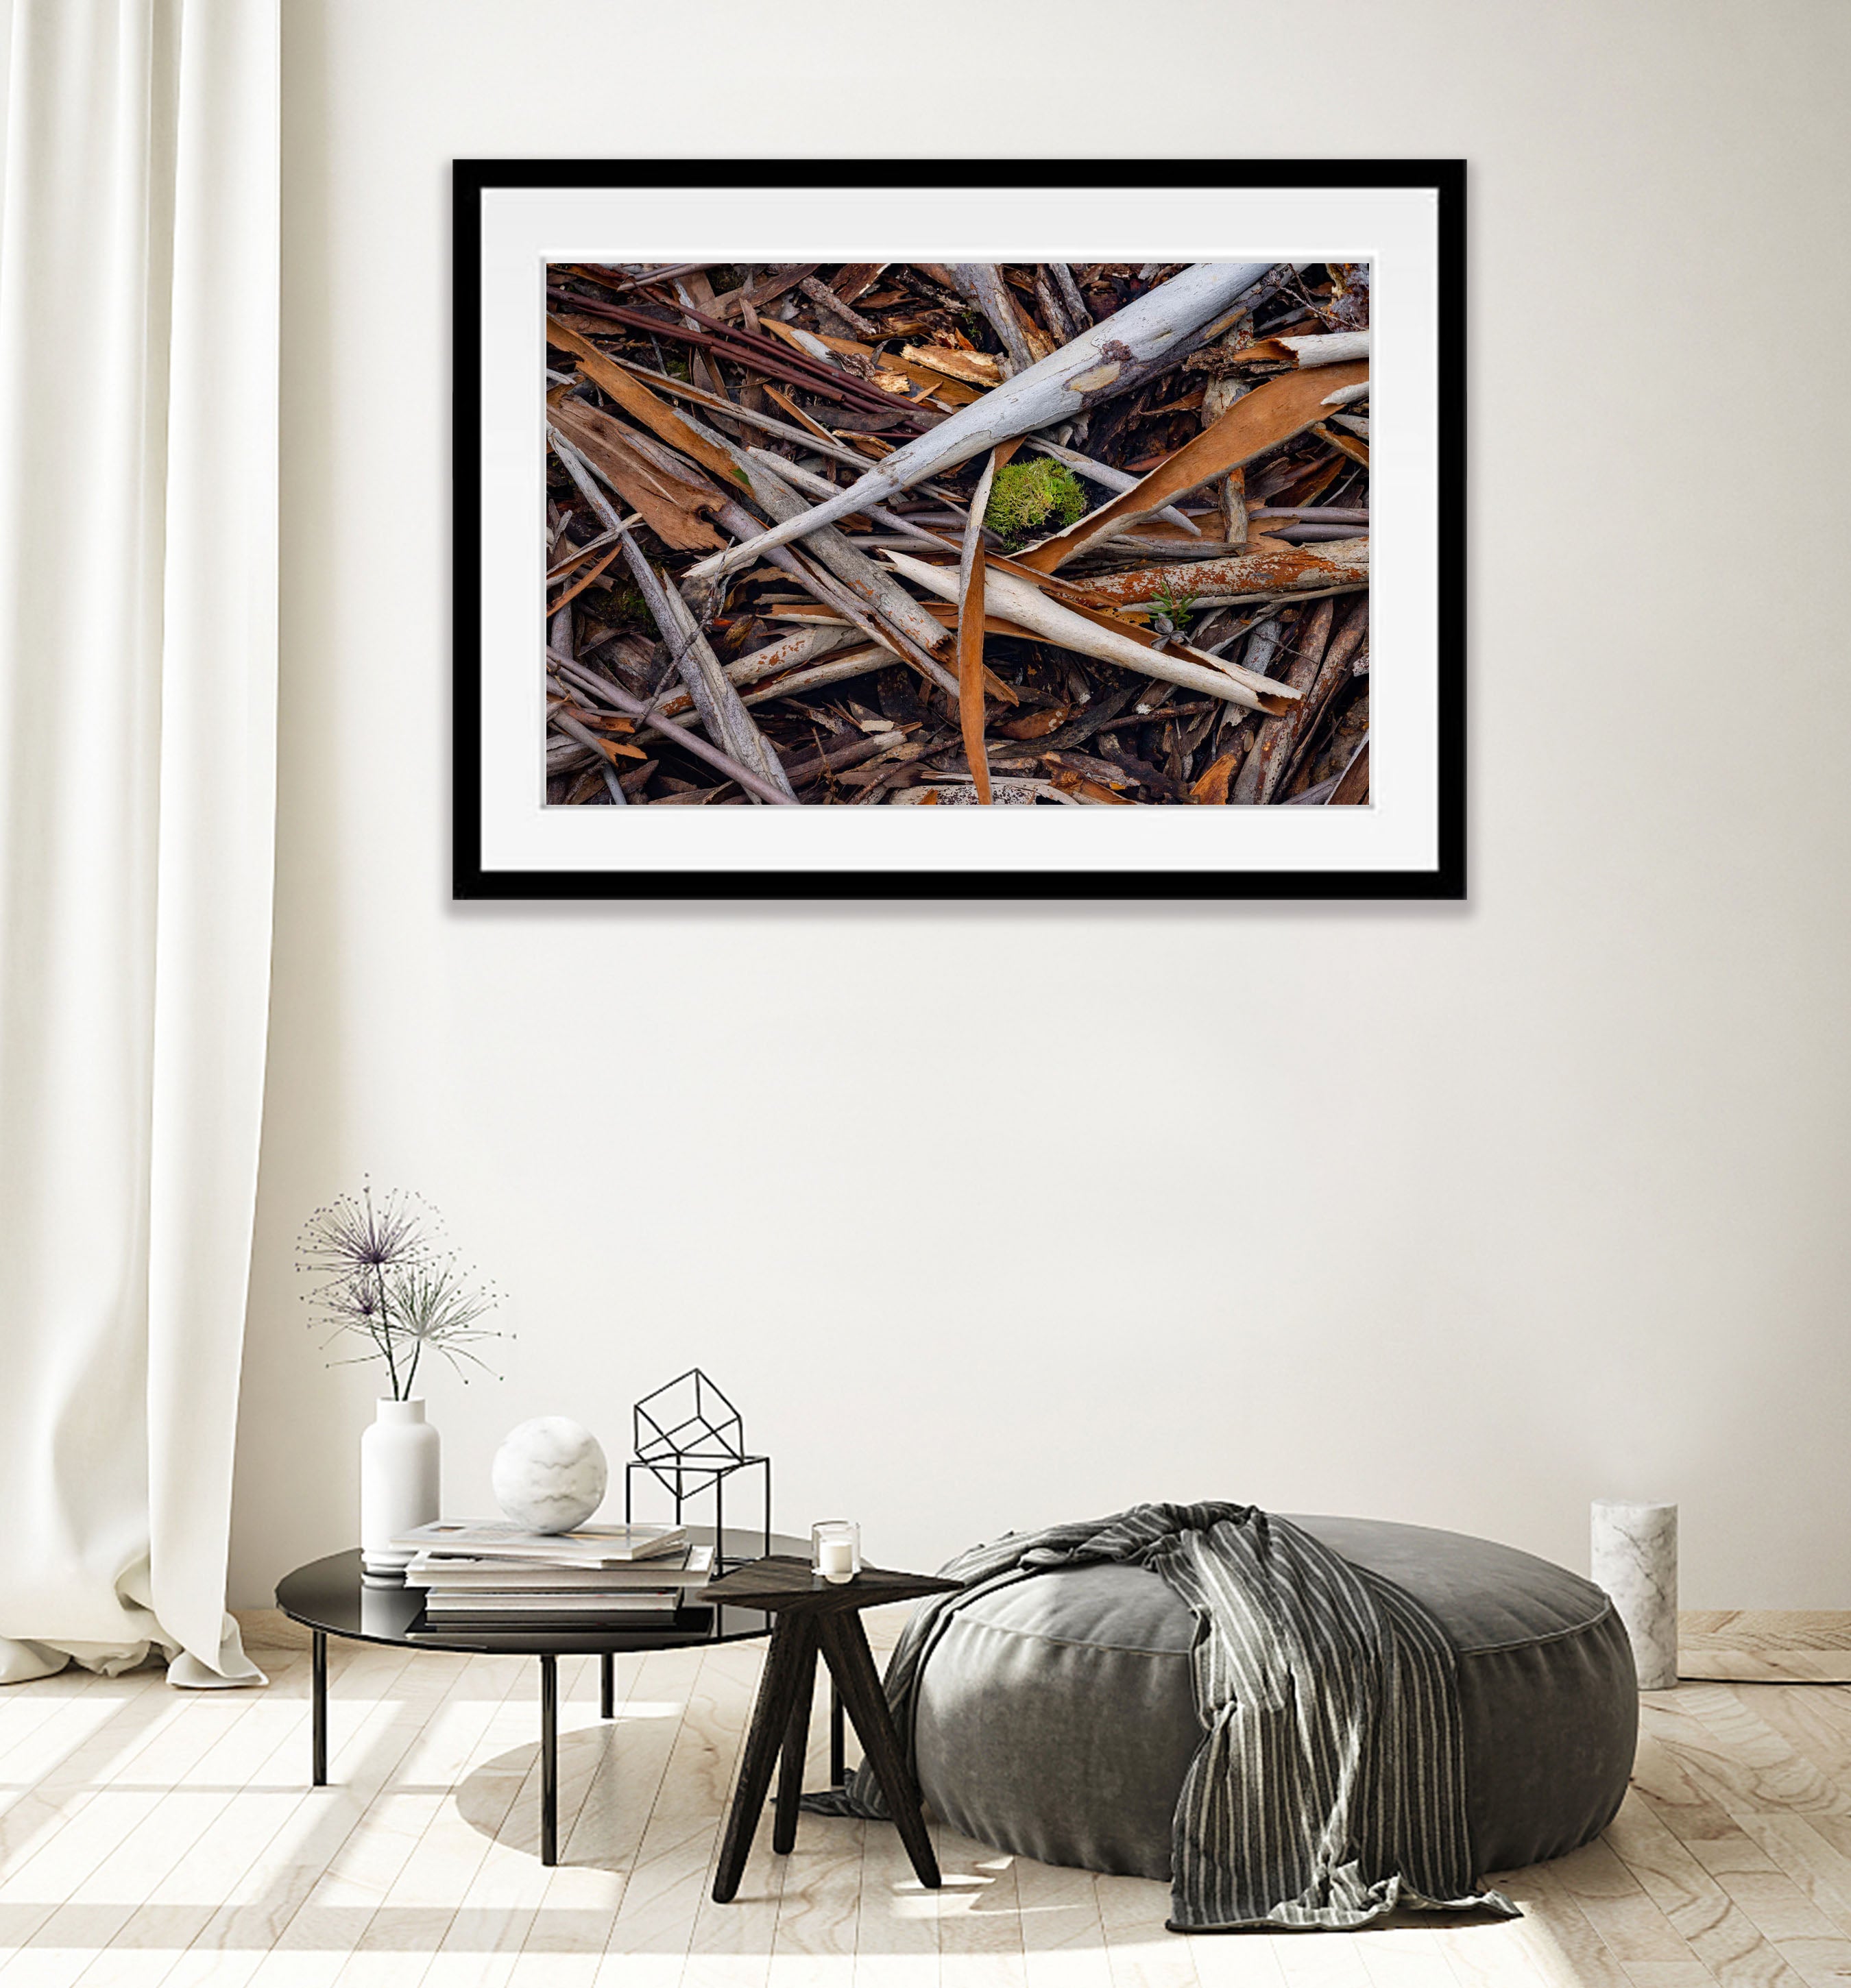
x=1463 y=1215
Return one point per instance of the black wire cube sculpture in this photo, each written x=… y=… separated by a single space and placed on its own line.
x=691 y=1438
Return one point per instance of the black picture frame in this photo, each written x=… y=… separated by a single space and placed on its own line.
x=1446 y=878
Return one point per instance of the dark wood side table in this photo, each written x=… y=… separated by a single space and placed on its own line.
x=814 y=1617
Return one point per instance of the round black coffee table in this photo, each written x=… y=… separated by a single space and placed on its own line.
x=333 y=1598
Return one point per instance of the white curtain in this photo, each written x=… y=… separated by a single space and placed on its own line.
x=139 y=247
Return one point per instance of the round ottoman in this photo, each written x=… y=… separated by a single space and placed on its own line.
x=1056 y=1717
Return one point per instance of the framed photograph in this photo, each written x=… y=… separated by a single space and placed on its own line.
x=887 y=529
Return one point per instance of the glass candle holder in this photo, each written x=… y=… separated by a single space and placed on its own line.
x=835 y=1548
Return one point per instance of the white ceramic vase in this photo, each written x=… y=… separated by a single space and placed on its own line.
x=400 y=1468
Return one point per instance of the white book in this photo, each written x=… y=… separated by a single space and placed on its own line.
x=637 y=1601
x=441 y=1574
x=584 y=1545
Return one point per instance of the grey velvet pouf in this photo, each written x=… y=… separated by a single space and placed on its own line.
x=1057 y=1716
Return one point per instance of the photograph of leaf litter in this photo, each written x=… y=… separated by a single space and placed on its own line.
x=894 y=534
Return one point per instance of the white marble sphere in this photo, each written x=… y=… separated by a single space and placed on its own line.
x=550 y=1474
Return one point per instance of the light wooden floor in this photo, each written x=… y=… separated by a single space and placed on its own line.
x=1792 y=1646
x=152 y=1836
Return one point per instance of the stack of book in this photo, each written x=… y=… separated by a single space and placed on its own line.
x=481 y=1573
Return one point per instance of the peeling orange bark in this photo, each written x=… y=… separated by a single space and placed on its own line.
x=670 y=505
x=1272 y=412
x=1341 y=562
x=636 y=400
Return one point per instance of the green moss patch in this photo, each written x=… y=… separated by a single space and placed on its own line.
x=1033 y=498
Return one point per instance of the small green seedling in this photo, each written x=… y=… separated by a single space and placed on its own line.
x=1175 y=607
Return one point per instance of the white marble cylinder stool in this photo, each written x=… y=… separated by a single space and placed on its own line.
x=1634 y=1558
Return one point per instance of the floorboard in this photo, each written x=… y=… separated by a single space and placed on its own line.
x=158 y=1839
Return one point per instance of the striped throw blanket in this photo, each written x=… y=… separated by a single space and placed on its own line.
x=1329 y=1786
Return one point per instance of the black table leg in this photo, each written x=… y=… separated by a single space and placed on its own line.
x=607 y=1685
x=844 y=1644
x=549 y=1759
x=838 y=1750
x=318 y=1710
x=796 y=1744
x=764 y=1740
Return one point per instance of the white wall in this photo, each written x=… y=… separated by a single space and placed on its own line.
x=991 y=1217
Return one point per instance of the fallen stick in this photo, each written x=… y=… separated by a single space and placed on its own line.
x=666 y=501
x=855 y=570
x=668 y=717
x=836 y=759
x=856 y=662
x=838 y=669
x=728 y=721
x=559 y=631
x=821 y=486
x=1103 y=474
x=1311 y=514
x=1130 y=345
x=602 y=748
x=1054 y=313
x=1137 y=547
x=631 y=276
x=1357 y=451
x=1230 y=490
x=854 y=587
x=1318 y=348
x=947 y=786
x=1352 y=787
x=1017 y=600
x=1289 y=597
x=813 y=355
x=1327 y=348
x=671 y=721
x=718 y=404
x=1344 y=563
x=619 y=699
x=872 y=624
x=784 y=276
x=853 y=280
x=1077 y=309
x=971 y=567
x=1273 y=413
x=833 y=597
x=636 y=400
x=763 y=355
x=803 y=646
x=820 y=293
x=725 y=717
x=1301 y=728
x=983 y=283
x=980 y=369
x=949 y=387
x=1259 y=771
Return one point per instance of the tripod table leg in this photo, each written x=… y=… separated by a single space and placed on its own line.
x=771 y=1720
x=797 y=1743
x=845 y=1650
